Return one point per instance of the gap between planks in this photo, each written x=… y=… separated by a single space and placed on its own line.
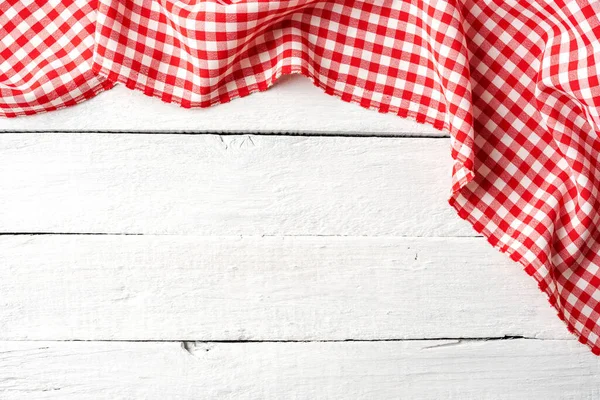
x=187 y=342
x=382 y=135
x=189 y=345
x=229 y=236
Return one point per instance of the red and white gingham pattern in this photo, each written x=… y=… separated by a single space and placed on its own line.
x=516 y=83
x=205 y=53
x=535 y=191
x=46 y=50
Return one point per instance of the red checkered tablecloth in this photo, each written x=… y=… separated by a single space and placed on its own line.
x=515 y=83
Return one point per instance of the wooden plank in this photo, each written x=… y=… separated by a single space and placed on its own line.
x=506 y=369
x=81 y=287
x=292 y=105
x=226 y=185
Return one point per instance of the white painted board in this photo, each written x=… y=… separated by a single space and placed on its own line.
x=82 y=287
x=292 y=105
x=226 y=185
x=300 y=243
x=507 y=369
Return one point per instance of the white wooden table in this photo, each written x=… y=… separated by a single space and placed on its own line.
x=283 y=246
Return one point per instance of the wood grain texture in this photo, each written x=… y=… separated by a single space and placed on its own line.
x=298 y=243
x=226 y=185
x=83 y=287
x=515 y=369
x=292 y=105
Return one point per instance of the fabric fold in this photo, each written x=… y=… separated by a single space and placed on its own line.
x=515 y=83
x=46 y=50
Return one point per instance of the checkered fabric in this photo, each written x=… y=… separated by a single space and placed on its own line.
x=46 y=50
x=514 y=82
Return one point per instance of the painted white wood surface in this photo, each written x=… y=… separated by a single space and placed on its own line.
x=300 y=243
x=507 y=369
x=265 y=288
x=293 y=104
x=226 y=185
